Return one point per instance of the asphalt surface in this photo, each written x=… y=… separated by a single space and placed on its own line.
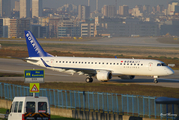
x=121 y=41
x=18 y=66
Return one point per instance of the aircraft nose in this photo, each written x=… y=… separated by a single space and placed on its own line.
x=170 y=71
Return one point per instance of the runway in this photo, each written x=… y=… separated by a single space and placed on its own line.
x=119 y=41
x=18 y=66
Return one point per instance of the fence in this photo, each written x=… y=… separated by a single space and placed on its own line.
x=94 y=101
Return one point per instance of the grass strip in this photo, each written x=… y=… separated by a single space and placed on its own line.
x=10 y=75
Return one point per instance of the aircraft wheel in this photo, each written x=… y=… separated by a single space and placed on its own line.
x=91 y=79
x=155 y=81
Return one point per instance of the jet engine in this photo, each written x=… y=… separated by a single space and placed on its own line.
x=103 y=75
x=127 y=77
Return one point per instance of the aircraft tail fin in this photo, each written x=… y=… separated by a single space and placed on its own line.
x=34 y=48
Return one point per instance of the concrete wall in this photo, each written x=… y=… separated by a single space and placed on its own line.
x=83 y=115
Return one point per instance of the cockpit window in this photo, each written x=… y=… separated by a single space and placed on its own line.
x=161 y=64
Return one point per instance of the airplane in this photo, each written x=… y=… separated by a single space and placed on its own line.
x=103 y=69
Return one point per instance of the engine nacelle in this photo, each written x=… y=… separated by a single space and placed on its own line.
x=103 y=75
x=127 y=77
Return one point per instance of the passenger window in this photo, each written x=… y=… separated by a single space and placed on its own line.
x=131 y=64
x=59 y=61
x=30 y=107
x=91 y=62
x=85 y=62
x=76 y=62
x=107 y=63
x=81 y=62
x=63 y=61
x=95 y=62
x=141 y=64
x=120 y=63
x=42 y=107
x=88 y=62
x=113 y=63
x=103 y=63
x=117 y=63
x=128 y=64
x=124 y=64
x=56 y=61
x=110 y=63
x=66 y=61
x=99 y=63
x=70 y=62
x=16 y=106
x=20 y=107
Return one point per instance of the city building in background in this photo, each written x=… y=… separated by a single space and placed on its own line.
x=146 y=9
x=170 y=27
x=160 y=8
x=6 y=27
x=1 y=27
x=123 y=10
x=109 y=10
x=172 y=7
x=39 y=31
x=5 y=8
x=22 y=25
x=25 y=9
x=97 y=6
x=17 y=27
x=37 y=8
x=124 y=27
x=68 y=28
x=87 y=29
x=70 y=20
x=17 y=6
x=136 y=12
x=13 y=28
x=83 y=12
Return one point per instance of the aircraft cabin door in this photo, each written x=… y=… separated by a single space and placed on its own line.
x=52 y=62
x=150 y=66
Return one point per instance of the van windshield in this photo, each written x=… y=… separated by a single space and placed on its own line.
x=42 y=107
x=30 y=107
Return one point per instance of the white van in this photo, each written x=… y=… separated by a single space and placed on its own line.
x=29 y=108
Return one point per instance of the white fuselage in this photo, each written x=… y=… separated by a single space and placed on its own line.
x=118 y=67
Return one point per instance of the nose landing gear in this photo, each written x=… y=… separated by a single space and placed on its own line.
x=155 y=79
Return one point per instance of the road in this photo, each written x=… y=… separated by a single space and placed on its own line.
x=18 y=66
x=121 y=41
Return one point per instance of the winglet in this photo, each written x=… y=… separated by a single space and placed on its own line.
x=34 y=48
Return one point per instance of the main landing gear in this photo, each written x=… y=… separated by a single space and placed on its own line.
x=89 y=80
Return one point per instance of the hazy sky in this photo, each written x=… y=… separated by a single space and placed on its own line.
x=130 y=3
